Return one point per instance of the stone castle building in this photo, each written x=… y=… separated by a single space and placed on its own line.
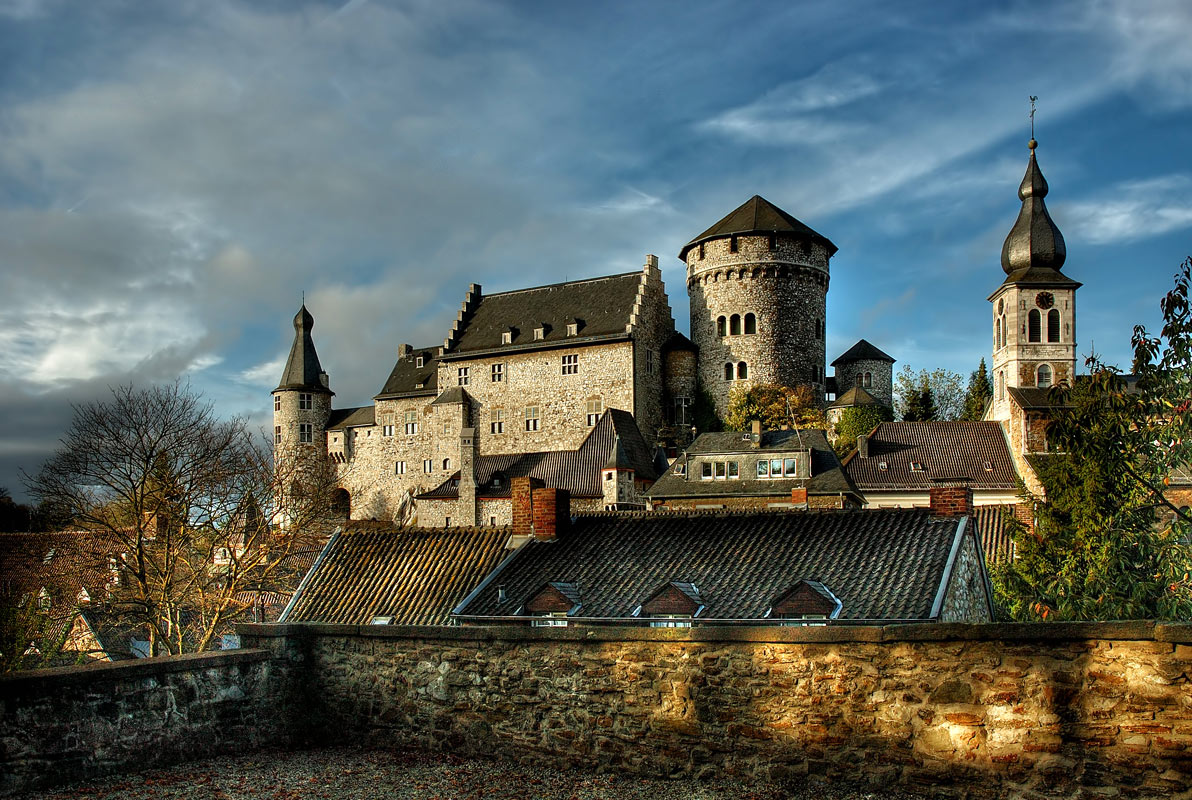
x=533 y=371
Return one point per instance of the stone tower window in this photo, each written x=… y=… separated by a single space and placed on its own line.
x=461 y=376
x=742 y=370
x=1034 y=322
x=532 y=419
x=446 y=464
x=860 y=380
x=734 y=325
x=497 y=421
x=701 y=251
x=1053 y=325
x=277 y=434
x=305 y=402
x=750 y=324
x=773 y=242
x=277 y=402
x=819 y=328
x=728 y=371
x=595 y=406
x=868 y=380
x=306 y=433
x=732 y=244
x=399 y=468
x=721 y=326
x=1043 y=379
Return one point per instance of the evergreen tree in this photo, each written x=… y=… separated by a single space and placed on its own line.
x=980 y=389
x=920 y=405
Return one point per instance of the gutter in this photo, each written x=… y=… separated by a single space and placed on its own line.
x=577 y=341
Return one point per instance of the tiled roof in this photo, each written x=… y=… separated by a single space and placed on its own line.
x=827 y=477
x=577 y=471
x=856 y=396
x=863 y=351
x=415 y=575
x=407 y=378
x=342 y=418
x=991 y=527
x=602 y=305
x=1033 y=398
x=882 y=564
x=758 y=215
x=944 y=449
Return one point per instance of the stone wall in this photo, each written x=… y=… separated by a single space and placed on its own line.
x=59 y=725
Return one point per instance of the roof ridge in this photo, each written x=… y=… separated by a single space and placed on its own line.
x=635 y=273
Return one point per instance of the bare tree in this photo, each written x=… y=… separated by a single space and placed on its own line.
x=193 y=501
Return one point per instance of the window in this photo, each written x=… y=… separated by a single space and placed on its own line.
x=787 y=467
x=540 y=333
x=701 y=251
x=411 y=423
x=750 y=324
x=1053 y=325
x=399 y=468
x=728 y=371
x=498 y=373
x=492 y=521
x=507 y=337
x=277 y=402
x=461 y=378
x=305 y=402
x=1033 y=322
x=553 y=619
x=496 y=422
x=679 y=469
x=306 y=433
x=860 y=380
x=532 y=418
x=734 y=325
x=446 y=464
x=720 y=470
x=682 y=410
x=1001 y=386
x=671 y=620
x=428 y=466
x=572 y=328
x=868 y=380
x=570 y=365
x=742 y=370
x=819 y=328
x=732 y=244
x=1043 y=379
x=916 y=466
x=277 y=434
x=773 y=242
x=446 y=522
x=705 y=471
x=387 y=425
x=649 y=362
x=418 y=362
x=594 y=408
x=721 y=326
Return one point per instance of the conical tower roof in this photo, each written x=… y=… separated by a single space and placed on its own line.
x=1034 y=250
x=302 y=367
x=758 y=215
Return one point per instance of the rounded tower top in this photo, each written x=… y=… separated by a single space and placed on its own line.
x=758 y=216
x=303 y=321
x=1034 y=249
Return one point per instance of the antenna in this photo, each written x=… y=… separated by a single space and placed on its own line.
x=1033 y=99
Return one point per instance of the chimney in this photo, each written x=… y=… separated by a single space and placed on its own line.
x=955 y=500
x=467 y=476
x=404 y=350
x=863 y=446
x=755 y=440
x=552 y=513
x=521 y=490
x=799 y=496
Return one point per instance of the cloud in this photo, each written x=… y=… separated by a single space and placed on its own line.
x=1130 y=211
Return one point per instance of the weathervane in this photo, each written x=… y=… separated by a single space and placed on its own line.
x=1033 y=99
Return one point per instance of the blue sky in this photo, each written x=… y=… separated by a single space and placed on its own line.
x=174 y=175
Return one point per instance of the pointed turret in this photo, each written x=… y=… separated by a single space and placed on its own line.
x=1034 y=250
x=302 y=367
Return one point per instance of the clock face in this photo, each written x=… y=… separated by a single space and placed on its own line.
x=1044 y=300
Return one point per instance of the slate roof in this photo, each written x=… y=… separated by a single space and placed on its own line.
x=678 y=341
x=341 y=418
x=407 y=379
x=1034 y=250
x=758 y=215
x=1032 y=398
x=603 y=306
x=415 y=575
x=945 y=449
x=863 y=351
x=882 y=564
x=302 y=369
x=577 y=471
x=827 y=477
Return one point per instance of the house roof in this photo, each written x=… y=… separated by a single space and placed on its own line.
x=1032 y=398
x=863 y=351
x=414 y=575
x=408 y=379
x=993 y=531
x=856 y=396
x=302 y=369
x=341 y=418
x=882 y=564
x=602 y=308
x=827 y=477
x=577 y=471
x=973 y=450
x=758 y=215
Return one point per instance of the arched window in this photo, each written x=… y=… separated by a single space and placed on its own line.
x=341 y=503
x=728 y=371
x=1034 y=322
x=721 y=323
x=868 y=380
x=860 y=380
x=1043 y=380
x=742 y=370
x=1053 y=325
x=734 y=325
x=750 y=323
x=1001 y=386
x=446 y=464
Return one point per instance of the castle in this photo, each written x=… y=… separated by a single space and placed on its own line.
x=534 y=371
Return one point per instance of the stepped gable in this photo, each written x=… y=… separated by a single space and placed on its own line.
x=407 y=379
x=599 y=307
x=758 y=215
x=883 y=565
x=863 y=350
x=414 y=575
x=944 y=449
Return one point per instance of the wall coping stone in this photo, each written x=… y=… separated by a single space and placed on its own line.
x=123 y=670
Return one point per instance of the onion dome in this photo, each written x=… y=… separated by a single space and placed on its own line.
x=303 y=370
x=1034 y=250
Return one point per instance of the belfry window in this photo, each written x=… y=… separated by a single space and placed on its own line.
x=734 y=325
x=721 y=326
x=1053 y=325
x=750 y=324
x=1043 y=380
x=1034 y=322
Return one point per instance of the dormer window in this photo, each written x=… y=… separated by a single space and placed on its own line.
x=541 y=331
x=883 y=466
x=507 y=337
x=419 y=362
x=673 y=605
x=916 y=466
x=552 y=604
x=573 y=326
x=808 y=602
x=988 y=466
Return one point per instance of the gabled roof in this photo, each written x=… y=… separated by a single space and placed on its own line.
x=414 y=575
x=452 y=394
x=882 y=564
x=578 y=471
x=302 y=366
x=408 y=379
x=856 y=396
x=758 y=215
x=943 y=449
x=341 y=418
x=603 y=307
x=863 y=351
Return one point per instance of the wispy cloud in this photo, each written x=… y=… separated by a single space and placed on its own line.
x=1132 y=210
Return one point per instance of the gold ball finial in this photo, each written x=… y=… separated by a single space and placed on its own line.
x=1032 y=144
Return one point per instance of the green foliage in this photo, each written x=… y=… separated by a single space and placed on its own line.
x=703 y=412
x=776 y=406
x=946 y=390
x=980 y=389
x=857 y=421
x=1096 y=551
x=920 y=406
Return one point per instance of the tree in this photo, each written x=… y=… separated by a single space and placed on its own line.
x=776 y=406
x=1096 y=550
x=947 y=392
x=855 y=422
x=190 y=499
x=980 y=389
x=920 y=406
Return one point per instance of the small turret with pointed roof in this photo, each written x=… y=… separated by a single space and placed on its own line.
x=303 y=370
x=302 y=400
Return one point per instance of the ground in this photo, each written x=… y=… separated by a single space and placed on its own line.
x=363 y=774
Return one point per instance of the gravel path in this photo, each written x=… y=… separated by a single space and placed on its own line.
x=357 y=773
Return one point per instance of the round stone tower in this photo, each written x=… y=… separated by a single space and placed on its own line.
x=302 y=400
x=758 y=285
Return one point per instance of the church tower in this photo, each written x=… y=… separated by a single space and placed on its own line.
x=758 y=285
x=1034 y=310
x=302 y=401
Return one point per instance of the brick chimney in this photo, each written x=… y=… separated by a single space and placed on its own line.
x=799 y=496
x=755 y=430
x=521 y=490
x=951 y=501
x=552 y=513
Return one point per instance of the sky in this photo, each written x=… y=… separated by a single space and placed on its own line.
x=175 y=176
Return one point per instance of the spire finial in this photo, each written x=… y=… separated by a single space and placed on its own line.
x=1032 y=144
